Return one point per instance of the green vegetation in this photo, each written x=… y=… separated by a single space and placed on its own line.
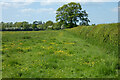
x=80 y=52
x=103 y=35
x=70 y=14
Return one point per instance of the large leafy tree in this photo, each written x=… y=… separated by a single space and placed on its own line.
x=70 y=14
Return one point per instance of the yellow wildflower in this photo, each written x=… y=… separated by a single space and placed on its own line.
x=44 y=40
x=52 y=43
x=59 y=51
x=69 y=43
x=21 y=43
x=93 y=63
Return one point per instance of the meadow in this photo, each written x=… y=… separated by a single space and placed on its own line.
x=80 y=52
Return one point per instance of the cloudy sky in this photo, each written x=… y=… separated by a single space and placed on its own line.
x=31 y=10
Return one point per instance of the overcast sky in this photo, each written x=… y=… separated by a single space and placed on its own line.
x=98 y=12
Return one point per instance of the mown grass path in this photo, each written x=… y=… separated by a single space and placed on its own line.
x=54 y=54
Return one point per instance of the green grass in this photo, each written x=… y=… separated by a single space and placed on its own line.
x=56 y=54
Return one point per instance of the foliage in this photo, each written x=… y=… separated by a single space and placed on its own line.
x=70 y=14
x=34 y=26
x=25 y=25
x=18 y=24
x=56 y=26
x=49 y=23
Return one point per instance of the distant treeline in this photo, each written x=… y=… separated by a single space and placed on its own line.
x=35 y=26
x=26 y=26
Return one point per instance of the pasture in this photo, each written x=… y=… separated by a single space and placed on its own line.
x=64 y=53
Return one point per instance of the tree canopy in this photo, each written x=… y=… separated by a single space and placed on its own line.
x=70 y=14
x=49 y=23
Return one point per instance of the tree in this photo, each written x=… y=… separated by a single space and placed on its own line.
x=18 y=24
x=2 y=25
x=49 y=23
x=10 y=24
x=70 y=14
x=56 y=26
x=34 y=27
x=25 y=25
x=35 y=22
x=40 y=22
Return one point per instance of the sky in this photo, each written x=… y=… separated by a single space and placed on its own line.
x=31 y=10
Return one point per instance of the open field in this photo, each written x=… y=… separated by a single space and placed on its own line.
x=80 y=52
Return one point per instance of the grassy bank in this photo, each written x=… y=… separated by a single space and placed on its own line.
x=103 y=35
